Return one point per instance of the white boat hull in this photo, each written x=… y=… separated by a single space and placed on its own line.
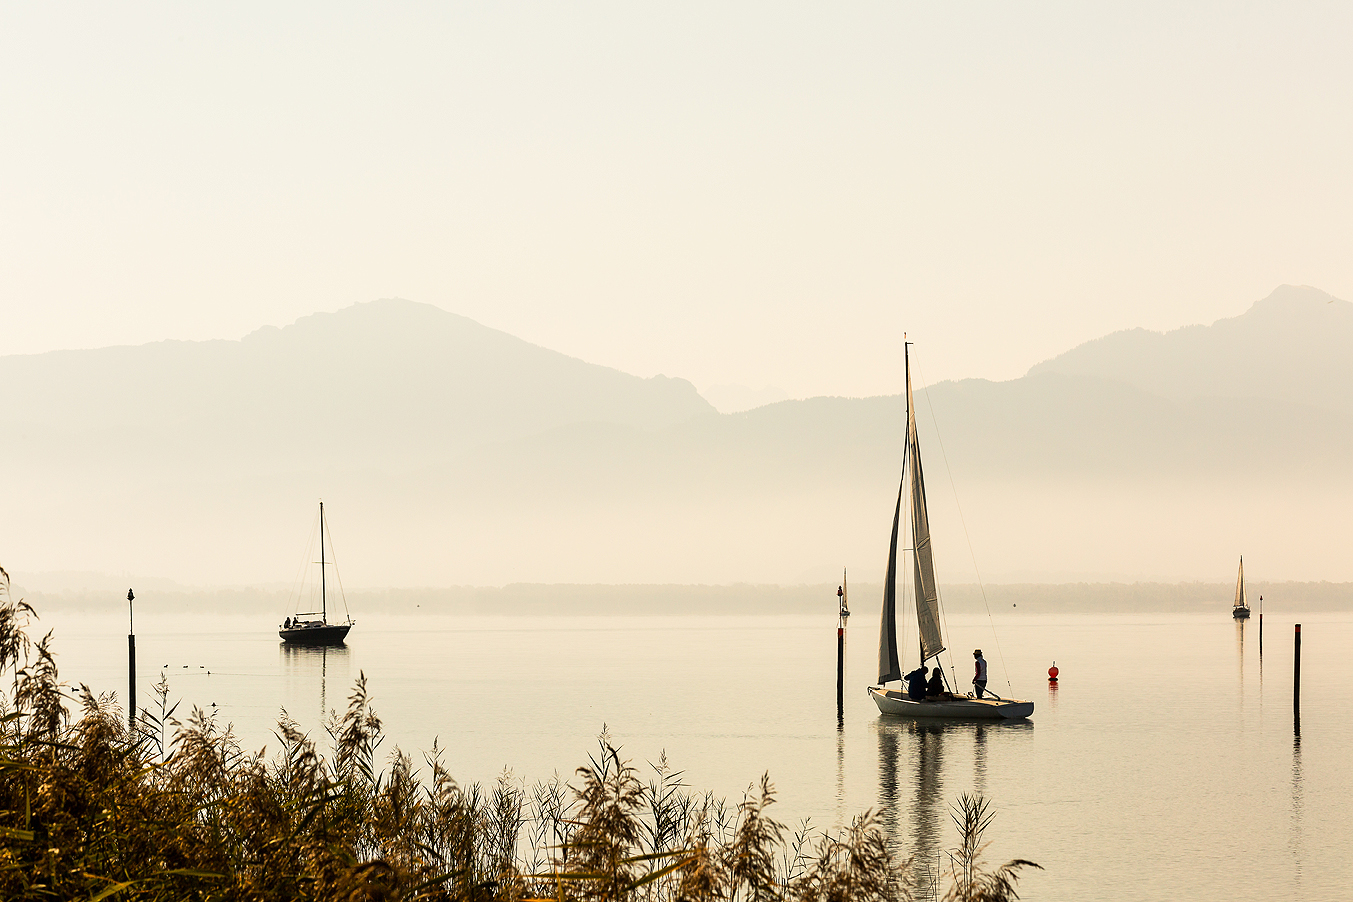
x=964 y=707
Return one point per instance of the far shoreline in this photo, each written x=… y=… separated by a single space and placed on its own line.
x=572 y=599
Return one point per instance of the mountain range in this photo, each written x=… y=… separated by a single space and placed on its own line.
x=451 y=453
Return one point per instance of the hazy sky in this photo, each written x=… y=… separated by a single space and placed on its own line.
x=754 y=193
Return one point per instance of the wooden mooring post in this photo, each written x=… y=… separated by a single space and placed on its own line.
x=131 y=663
x=842 y=612
x=1296 y=684
x=840 y=670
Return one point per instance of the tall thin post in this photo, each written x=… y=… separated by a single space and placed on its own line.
x=1296 y=685
x=323 y=603
x=840 y=651
x=840 y=670
x=1261 y=626
x=131 y=662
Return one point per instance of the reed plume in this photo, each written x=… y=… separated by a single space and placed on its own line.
x=166 y=809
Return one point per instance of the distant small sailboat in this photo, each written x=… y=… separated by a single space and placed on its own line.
x=893 y=701
x=321 y=631
x=1240 y=610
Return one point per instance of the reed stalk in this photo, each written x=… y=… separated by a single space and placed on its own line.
x=166 y=809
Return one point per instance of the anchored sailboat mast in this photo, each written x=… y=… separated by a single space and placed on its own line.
x=923 y=560
x=323 y=603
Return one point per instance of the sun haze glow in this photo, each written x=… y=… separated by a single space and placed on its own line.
x=747 y=194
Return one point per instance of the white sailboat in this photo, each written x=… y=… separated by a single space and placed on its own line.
x=894 y=699
x=1240 y=610
x=321 y=631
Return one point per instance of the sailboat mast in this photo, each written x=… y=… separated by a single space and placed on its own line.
x=923 y=561
x=323 y=603
x=906 y=360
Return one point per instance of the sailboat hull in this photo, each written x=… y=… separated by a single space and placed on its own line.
x=1241 y=613
x=325 y=634
x=961 y=708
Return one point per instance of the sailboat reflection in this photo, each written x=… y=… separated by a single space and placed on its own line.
x=917 y=762
x=304 y=665
x=1240 y=651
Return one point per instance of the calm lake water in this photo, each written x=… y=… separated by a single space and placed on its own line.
x=1164 y=766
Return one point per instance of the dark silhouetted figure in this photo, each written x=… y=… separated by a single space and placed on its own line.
x=916 y=683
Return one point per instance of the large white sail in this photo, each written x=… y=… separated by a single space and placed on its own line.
x=1240 y=585
x=890 y=701
x=890 y=669
x=927 y=596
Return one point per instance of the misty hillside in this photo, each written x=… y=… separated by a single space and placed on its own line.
x=453 y=454
x=1293 y=346
x=380 y=384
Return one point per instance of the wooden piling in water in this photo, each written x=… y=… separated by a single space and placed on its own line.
x=1296 y=683
x=131 y=662
x=842 y=612
x=840 y=670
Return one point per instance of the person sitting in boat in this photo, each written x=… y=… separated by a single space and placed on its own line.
x=934 y=690
x=287 y=624
x=916 y=683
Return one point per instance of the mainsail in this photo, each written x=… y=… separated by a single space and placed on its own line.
x=923 y=569
x=1240 y=585
x=923 y=565
x=889 y=668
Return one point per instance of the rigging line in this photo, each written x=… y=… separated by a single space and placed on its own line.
x=939 y=597
x=338 y=576
x=295 y=595
x=909 y=543
x=963 y=521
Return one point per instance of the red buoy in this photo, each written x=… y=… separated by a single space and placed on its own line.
x=1052 y=672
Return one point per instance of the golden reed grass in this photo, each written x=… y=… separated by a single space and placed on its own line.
x=168 y=809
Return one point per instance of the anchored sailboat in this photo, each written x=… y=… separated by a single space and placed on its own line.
x=321 y=631
x=1240 y=610
x=896 y=701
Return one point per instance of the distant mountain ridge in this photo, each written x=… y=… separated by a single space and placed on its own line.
x=455 y=454
x=1292 y=346
x=389 y=381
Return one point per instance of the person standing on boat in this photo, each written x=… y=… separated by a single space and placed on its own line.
x=916 y=683
x=979 y=676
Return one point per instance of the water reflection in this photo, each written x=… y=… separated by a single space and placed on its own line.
x=979 y=758
x=1295 y=841
x=917 y=762
x=911 y=787
x=307 y=669
x=1240 y=652
x=840 y=772
x=888 y=736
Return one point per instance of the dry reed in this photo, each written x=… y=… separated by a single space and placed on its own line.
x=92 y=808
